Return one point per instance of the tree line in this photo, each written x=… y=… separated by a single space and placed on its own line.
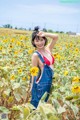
x=21 y=28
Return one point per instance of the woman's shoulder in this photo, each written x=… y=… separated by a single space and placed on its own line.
x=35 y=54
x=34 y=59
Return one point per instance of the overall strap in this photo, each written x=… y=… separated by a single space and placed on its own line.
x=41 y=58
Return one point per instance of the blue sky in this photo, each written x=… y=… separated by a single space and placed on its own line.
x=58 y=15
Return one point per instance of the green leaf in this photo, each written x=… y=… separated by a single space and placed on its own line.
x=26 y=112
x=4 y=110
x=7 y=92
x=48 y=108
x=44 y=97
x=56 y=95
x=41 y=109
x=31 y=107
x=16 y=85
x=56 y=104
x=17 y=108
x=1 y=84
x=53 y=117
x=75 y=109
x=17 y=96
x=61 y=110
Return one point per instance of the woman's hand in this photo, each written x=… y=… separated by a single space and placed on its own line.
x=41 y=34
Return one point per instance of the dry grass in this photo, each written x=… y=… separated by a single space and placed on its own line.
x=13 y=31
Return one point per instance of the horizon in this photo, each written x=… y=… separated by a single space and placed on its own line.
x=25 y=29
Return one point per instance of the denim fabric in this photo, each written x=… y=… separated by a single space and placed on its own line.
x=43 y=85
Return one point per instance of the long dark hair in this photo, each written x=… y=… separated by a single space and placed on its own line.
x=34 y=35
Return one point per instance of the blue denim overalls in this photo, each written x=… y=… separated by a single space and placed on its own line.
x=43 y=85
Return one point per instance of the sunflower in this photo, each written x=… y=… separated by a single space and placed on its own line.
x=30 y=51
x=12 y=77
x=77 y=49
x=34 y=71
x=65 y=72
x=76 y=89
x=76 y=79
x=19 y=70
x=24 y=78
x=28 y=77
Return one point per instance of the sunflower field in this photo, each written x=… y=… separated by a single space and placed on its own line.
x=15 y=71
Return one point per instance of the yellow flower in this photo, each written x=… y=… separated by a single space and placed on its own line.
x=28 y=77
x=60 y=48
x=12 y=40
x=21 y=37
x=75 y=79
x=66 y=73
x=59 y=57
x=24 y=67
x=30 y=51
x=1 y=47
x=34 y=71
x=10 y=46
x=12 y=77
x=20 y=70
x=22 y=44
x=5 y=40
x=16 y=52
x=12 y=63
x=24 y=78
x=71 y=44
x=77 y=50
x=26 y=38
x=76 y=89
x=55 y=55
x=18 y=43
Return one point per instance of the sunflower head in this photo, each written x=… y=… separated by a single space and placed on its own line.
x=34 y=71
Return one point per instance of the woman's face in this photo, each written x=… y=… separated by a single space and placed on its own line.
x=40 y=43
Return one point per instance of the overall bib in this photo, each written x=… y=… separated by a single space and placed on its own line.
x=43 y=85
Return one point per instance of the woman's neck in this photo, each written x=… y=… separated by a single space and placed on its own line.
x=41 y=50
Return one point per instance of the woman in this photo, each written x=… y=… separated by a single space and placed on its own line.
x=42 y=59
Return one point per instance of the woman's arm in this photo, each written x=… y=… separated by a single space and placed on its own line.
x=54 y=38
x=34 y=64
